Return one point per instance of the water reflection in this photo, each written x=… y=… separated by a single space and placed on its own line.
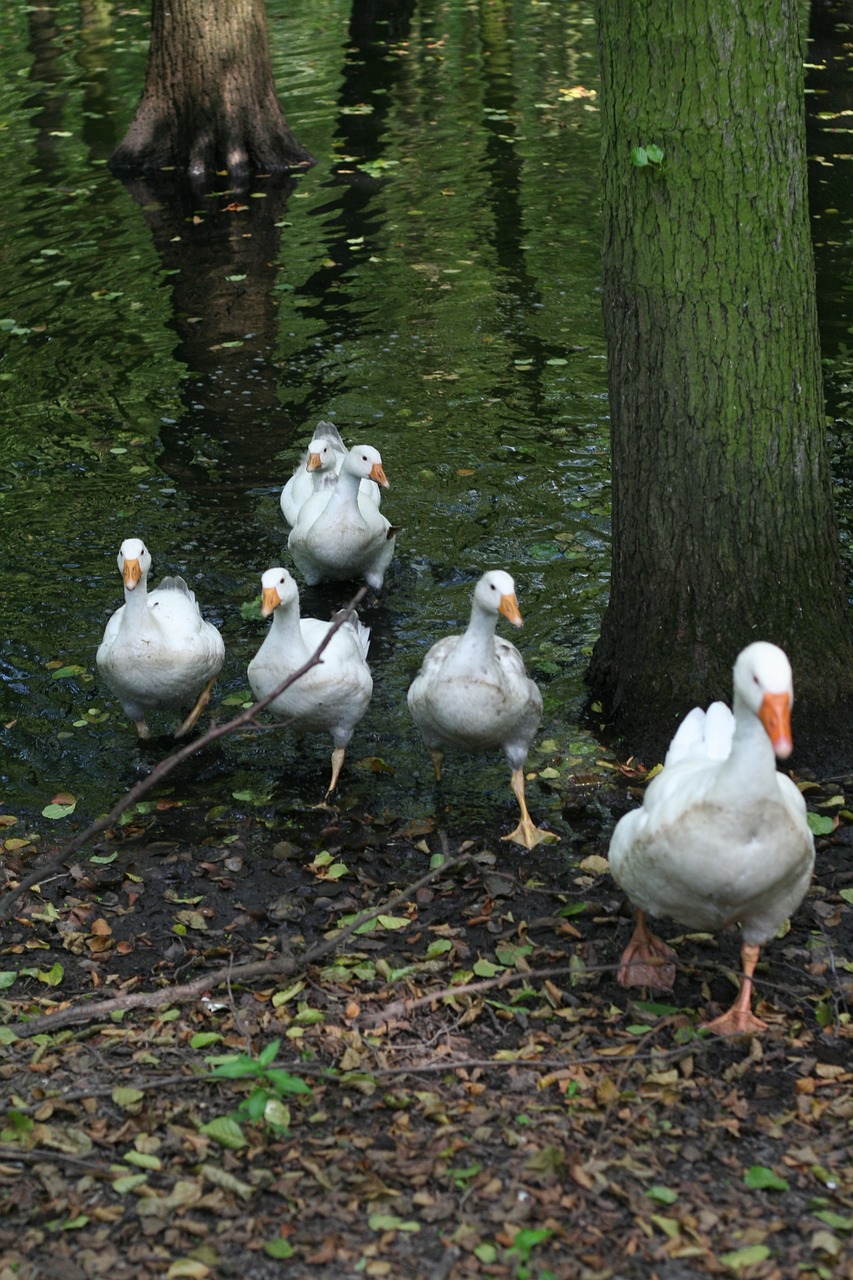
x=218 y=247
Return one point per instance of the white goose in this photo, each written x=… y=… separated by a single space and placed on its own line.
x=473 y=692
x=331 y=697
x=343 y=536
x=318 y=472
x=158 y=653
x=722 y=836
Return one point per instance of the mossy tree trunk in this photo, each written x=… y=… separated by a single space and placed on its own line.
x=209 y=101
x=723 y=524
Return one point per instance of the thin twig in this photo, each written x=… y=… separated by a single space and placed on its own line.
x=399 y=1008
x=171 y=762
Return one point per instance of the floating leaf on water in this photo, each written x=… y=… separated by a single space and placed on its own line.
x=253 y=797
x=375 y=168
x=65 y=672
x=544 y=551
x=250 y=610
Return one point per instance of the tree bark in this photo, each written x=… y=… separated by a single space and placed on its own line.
x=723 y=524
x=209 y=101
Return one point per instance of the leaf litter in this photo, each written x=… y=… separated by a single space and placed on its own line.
x=214 y=1063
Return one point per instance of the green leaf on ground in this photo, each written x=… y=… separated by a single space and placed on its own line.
x=759 y=1178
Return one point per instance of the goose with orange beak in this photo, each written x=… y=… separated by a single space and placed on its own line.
x=343 y=536
x=721 y=838
x=317 y=472
x=330 y=697
x=472 y=692
x=158 y=652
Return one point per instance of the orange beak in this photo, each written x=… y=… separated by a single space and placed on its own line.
x=314 y=462
x=377 y=473
x=510 y=610
x=131 y=573
x=270 y=600
x=775 y=715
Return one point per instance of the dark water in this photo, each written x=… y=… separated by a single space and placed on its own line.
x=432 y=286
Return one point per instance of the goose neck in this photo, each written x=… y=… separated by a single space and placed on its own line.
x=286 y=631
x=752 y=762
x=479 y=634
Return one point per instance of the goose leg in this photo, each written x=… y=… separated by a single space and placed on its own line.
x=437 y=757
x=203 y=699
x=646 y=961
x=337 y=765
x=526 y=833
x=740 y=1020
x=142 y=728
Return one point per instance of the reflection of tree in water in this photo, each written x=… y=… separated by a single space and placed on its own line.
x=369 y=78
x=49 y=96
x=219 y=246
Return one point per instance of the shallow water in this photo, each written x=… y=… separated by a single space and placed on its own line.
x=432 y=286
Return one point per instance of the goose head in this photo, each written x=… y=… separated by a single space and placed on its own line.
x=763 y=683
x=321 y=456
x=277 y=588
x=495 y=593
x=365 y=462
x=134 y=561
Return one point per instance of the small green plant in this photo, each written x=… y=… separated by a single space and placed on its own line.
x=272 y=1085
x=523 y=1244
x=648 y=157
